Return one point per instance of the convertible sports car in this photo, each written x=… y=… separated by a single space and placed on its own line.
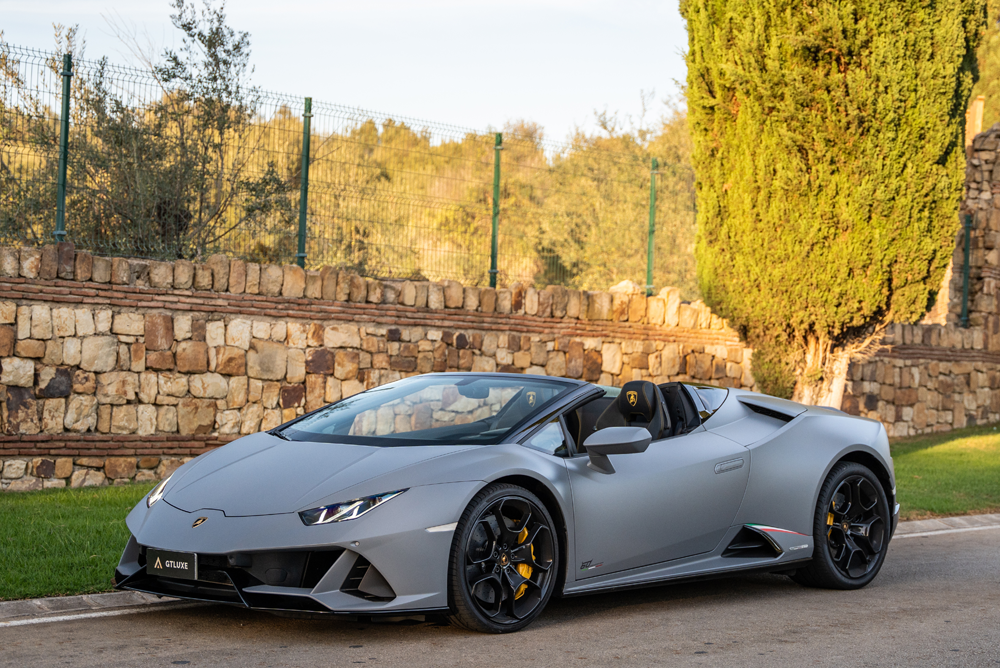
x=479 y=496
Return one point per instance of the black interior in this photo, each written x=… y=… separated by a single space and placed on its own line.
x=583 y=421
x=641 y=405
x=680 y=406
x=677 y=408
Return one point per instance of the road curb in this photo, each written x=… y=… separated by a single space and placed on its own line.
x=949 y=524
x=59 y=606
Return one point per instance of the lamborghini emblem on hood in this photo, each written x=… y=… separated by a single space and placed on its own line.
x=198 y=522
x=531 y=397
x=633 y=398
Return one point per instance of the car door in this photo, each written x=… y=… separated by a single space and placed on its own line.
x=674 y=500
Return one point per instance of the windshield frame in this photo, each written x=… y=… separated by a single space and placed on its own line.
x=570 y=386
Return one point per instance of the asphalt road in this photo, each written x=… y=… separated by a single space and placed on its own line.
x=936 y=603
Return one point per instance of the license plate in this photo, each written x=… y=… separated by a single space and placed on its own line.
x=181 y=565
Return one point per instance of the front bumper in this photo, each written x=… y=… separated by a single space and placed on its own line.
x=383 y=563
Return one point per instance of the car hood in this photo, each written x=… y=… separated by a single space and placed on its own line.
x=265 y=475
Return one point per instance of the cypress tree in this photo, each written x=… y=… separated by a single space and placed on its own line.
x=829 y=158
x=989 y=66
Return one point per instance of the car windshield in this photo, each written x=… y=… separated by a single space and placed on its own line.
x=430 y=410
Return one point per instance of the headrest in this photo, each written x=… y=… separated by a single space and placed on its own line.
x=638 y=400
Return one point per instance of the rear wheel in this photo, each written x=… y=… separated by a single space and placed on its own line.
x=850 y=532
x=504 y=561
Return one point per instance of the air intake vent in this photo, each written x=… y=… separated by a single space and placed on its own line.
x=769 y=412
x=779 y=409
x=752 y=544
x=364 y=581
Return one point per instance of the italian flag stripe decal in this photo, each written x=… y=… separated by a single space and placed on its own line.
x=764 y=527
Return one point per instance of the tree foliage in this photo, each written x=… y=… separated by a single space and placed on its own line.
x=829 y=156
x=188 y=158
x=595 y=200
x=988 y=56
x=168 y=176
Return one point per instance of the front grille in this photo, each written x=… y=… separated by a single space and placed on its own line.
x=291 y=568
x=225 y=578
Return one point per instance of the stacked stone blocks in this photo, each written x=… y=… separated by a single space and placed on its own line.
x=115 y=369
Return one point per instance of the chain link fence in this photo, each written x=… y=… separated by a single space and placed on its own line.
x=153 y=170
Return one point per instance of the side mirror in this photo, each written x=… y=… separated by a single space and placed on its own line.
x=614 y=441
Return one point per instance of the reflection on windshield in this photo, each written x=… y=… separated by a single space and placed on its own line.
x=430 y=410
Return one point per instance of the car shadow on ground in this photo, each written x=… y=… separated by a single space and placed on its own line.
x=683 y=599
x=661 y=599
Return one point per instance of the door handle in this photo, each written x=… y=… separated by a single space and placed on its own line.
x=730 y=465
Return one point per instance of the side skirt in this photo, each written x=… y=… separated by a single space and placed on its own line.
x=715 y=574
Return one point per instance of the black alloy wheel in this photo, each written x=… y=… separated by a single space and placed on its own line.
x=851 y=532
x=857 y=532
x=503 y=562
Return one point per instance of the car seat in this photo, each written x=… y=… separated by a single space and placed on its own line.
x=640 y=404
x=681 y=409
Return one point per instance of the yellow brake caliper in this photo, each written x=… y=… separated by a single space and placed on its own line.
x=524 y=569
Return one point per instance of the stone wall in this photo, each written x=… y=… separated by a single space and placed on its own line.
x=938 y=375
x=928 y=378
x=120 y=369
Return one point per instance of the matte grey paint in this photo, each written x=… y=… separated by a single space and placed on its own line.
x=298 y=475
x=665 y=514
x=614 y=441
x=664 y=504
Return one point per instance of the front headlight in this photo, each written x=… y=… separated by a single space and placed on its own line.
x=157 y=492
x=349 y=510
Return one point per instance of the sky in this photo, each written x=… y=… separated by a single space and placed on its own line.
x=470 y=63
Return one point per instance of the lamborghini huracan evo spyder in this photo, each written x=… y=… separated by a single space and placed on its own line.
x=478 y=496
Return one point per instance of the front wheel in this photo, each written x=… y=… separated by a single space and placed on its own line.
x=504 y=561
x=850 y=532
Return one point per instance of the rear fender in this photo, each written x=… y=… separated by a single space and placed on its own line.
x=789 y=469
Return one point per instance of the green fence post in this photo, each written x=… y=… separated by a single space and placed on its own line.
x=652 y=227
x=300 y=257
x=967 y=224
x=60 y=233
x=497 y=147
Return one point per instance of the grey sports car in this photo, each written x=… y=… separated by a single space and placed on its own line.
x=479 y=496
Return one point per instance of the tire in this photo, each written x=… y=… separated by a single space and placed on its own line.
x=504 y=561
x=850 y=530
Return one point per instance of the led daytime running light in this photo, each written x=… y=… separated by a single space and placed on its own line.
x=157 y=492
x=348 y=510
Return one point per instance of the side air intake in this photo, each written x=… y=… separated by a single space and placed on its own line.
x=365 y=581
x=780 y=409
x=750 y=543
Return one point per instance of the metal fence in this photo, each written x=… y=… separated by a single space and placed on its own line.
x=121 y=164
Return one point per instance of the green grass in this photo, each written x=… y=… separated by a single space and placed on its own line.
x=68 y=541
x=955 y=473
x=63 y=541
